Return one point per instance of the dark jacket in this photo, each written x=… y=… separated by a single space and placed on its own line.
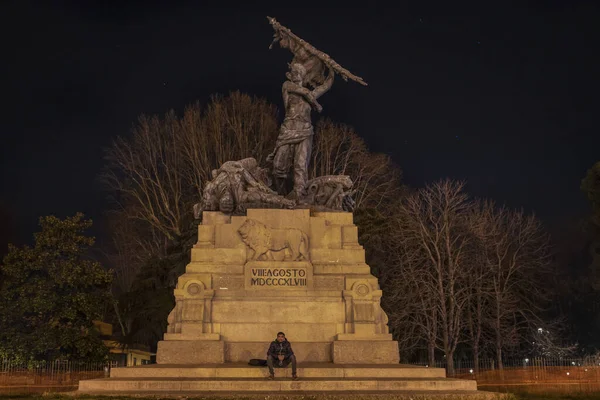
x=277 y=348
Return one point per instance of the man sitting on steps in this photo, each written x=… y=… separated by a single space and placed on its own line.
x=281 y=354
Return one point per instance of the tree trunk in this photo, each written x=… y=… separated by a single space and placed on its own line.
x=431 y=353
x=499 y=356
x=498 y=336
x=476 y=358
x=450 y=363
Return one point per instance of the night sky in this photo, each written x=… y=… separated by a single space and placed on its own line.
x=502 y=95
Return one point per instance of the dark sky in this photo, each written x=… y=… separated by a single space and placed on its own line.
x=501 y=94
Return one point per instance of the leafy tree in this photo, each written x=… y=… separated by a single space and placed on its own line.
x=585 y=290
x=142 y=311
x=591 y=187
x=577 y=301
x=50 y=294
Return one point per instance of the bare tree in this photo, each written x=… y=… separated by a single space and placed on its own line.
x=338 y=150
x=434 y=245
x=412 y=313
x=516 y=254
x=159 y=170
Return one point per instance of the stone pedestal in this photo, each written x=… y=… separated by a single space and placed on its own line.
x=277 y=270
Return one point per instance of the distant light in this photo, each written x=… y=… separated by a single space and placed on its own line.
x=527 y=360
x=568 y=373
x=471 y=371
x=586 y=370
x=427 y=366
x=572 y=362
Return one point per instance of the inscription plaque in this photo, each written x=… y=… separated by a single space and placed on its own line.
x=269 y=275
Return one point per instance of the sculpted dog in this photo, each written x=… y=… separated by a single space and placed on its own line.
x=262 y=241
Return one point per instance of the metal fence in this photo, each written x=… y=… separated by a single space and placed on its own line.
x=530 y=375
x=48 y=376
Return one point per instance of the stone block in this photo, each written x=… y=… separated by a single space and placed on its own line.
x=328 y=283
x=279 y=310
x=215 y=269
x=282 y=219
x=306 y=369
x=192 y=336
x=236 y=255
x=305 y=352
x=190 y=352
x=370 y=337
x=327 y=268
x=312 y=385
x=227 y=236
x=337 y=256
x=215 y=218
x=332 y=238
x=335 y=218
x=206 y=236
x=365 y=352
x=350 y=236
x=265 y=332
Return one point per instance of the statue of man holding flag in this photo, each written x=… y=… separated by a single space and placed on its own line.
x=306 y=83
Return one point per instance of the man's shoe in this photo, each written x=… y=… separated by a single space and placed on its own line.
x=295 y=377
x=271 y=377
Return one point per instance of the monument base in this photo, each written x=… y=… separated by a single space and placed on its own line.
x=315 y=378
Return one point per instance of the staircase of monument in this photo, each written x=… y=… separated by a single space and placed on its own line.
x=313 y=377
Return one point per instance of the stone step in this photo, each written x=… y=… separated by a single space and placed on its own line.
x=170 y=385
x=305 y=370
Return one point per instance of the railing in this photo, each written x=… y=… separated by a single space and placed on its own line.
x=48 y=376
x=531 y=375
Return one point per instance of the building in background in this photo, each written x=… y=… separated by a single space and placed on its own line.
x=136 y=354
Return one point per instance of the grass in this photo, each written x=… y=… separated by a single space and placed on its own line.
x=261 y=397
x=520 y=396
x=270 y=397
x=558 y=396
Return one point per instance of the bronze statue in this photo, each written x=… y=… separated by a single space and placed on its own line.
x=331 y=192
x=294 y=143
x=306 y=83
x=238 y=185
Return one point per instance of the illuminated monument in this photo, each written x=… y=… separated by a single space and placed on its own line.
x=279 y=252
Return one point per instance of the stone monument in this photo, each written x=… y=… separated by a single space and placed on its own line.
x=298 y=271
x=279 y=252
x=257 y=270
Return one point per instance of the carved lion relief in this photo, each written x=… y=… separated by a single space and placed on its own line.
x=263 y=241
